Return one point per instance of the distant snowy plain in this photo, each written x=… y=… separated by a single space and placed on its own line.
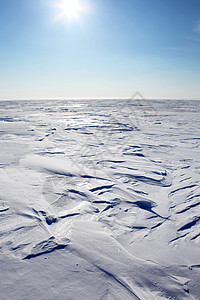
x=100 y=199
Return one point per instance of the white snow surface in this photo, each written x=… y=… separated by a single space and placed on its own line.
x=100 y=199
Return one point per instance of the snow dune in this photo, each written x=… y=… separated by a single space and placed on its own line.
x=100 y=199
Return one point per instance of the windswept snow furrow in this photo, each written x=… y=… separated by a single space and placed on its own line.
x=77 y=192
x=101 y=188
x=111 y=161
x=188 y=208
x=190 y=224
x=178 y=238
x=4 y=209
x=183 y=188
x=195 y=237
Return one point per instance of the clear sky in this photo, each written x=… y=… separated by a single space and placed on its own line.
x=105 y=49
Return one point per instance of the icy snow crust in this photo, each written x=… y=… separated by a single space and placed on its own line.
x=100 y=199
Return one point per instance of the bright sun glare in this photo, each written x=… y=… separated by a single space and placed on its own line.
x=70 y=8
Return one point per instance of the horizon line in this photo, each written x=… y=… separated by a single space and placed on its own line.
x=97 y=98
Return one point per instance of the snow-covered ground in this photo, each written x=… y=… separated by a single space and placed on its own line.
x=100 y=200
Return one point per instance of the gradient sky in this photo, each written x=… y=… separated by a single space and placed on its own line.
x=117 y=47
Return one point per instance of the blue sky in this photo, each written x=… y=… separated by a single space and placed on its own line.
x=113 y=50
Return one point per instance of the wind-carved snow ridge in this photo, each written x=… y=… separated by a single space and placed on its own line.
x=47 y=246
x=101 y=192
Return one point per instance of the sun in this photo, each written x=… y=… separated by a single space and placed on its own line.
x=70 y=9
